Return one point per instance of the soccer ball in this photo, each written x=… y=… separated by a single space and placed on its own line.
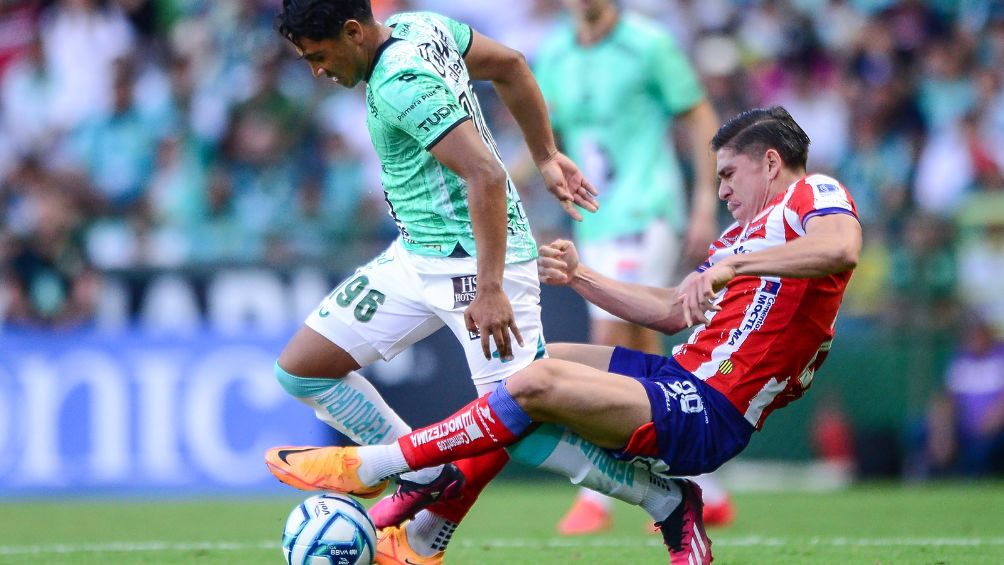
x=329 y=529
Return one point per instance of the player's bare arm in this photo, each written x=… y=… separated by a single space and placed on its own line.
x=652 y=307
x=831 y=244
x=463 y=152
x=701 y=122
x=516 y=86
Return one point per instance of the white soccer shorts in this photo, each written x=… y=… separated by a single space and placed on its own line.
x=648 y=258
x=399 y=298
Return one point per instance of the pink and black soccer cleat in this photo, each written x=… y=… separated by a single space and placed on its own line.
x=410 y=497
x=683 y=530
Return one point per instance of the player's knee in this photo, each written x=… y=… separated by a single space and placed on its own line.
x=299 y=387
x=286 y=380
x=533 y=388
x=288 y=362
x=309 y=354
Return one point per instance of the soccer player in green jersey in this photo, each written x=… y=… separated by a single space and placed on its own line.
x=615 y=83
x=465 y=257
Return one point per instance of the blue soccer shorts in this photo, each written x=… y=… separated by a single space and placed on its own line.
x=695 y=427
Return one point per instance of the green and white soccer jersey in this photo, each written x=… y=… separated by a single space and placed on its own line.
x=612 y=104
x=418 y=90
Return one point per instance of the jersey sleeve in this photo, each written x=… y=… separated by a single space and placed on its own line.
x=420 y=104
x=818 y=196
x=675 y=79
x=461 y=32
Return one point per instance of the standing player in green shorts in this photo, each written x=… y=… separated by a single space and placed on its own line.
x=615 y=82
x=465 y=257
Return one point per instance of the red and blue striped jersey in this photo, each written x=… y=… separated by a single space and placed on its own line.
x=771 y=334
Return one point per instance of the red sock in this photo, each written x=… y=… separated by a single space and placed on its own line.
x=477 y=472
x=473 y=430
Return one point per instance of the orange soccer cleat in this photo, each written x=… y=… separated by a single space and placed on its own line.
x=321 y=468
x=393 y=549
x=719 y=514
x=585 y=517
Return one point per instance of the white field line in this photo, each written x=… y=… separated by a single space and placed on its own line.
x=748 y=541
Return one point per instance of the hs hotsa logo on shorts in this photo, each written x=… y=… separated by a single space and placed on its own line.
x=464 y=289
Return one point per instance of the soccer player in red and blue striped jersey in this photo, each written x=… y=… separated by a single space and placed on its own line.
x=762 y=309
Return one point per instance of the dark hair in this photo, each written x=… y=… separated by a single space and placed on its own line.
x=318 y=20
x=755 y=131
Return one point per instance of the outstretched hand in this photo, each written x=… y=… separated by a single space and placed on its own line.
x=566 y=182
x=557 y=262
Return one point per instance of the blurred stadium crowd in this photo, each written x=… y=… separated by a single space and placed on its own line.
x=147 y=144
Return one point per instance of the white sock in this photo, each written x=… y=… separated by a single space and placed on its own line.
x=382 y=461
x=661 y=497
x=421 y=476
x=428 y=533
x=354 y=407
x=567 y=454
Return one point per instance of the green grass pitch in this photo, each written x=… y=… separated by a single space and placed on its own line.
x=513 y=523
